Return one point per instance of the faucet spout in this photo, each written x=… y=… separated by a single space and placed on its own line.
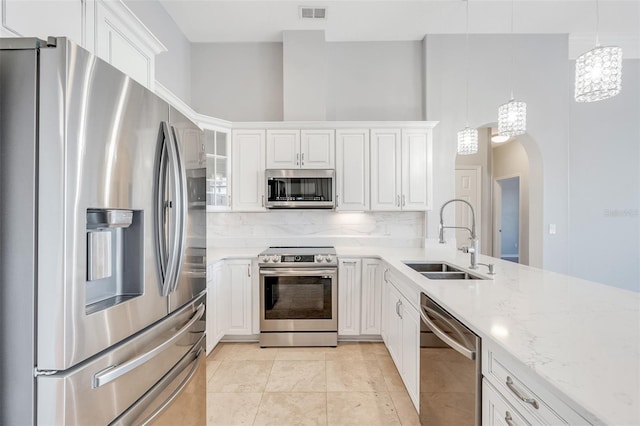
x=473 y=249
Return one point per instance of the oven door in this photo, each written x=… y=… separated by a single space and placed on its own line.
x=298 y=299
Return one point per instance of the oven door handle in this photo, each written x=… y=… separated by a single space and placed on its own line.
x=297 y=271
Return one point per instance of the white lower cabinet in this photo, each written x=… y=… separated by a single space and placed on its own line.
x=371 y=310
x=217 y=308
x=230 y=299
x=496 y=411
x=531 y=401
x=401 y=334
x=349 y=283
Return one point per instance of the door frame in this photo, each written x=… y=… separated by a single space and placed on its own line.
x=479 y=207
x=497 y=212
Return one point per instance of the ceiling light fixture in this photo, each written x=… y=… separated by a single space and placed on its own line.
x=499 y=139
x=512 y=116
x=598 y=71
x=467 y=137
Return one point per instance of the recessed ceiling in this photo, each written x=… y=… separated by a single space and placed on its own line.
x=264 y=20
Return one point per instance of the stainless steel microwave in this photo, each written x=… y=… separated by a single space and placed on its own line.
x=300 y=189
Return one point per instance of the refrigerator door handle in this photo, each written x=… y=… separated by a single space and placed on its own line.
x=176 y=392
x=181 y=197
x=167 y=209
x=113 y=372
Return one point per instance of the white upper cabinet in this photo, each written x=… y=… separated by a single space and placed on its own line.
x=352 y=169
x=295 y=149
x=401 y=167
x=386 y=169
x=417 y=167
x=317 y=149
x=248 y=184
x=42 y=19
x=124 y=41
x=283 y=149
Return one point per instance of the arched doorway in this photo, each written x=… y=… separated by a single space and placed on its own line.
x=481 y=172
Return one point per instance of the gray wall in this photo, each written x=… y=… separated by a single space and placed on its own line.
x=173 y=66
x=364 y=81
x=375 y=81
x=237 y=81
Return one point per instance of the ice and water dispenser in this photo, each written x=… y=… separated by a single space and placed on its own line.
x=115 y=257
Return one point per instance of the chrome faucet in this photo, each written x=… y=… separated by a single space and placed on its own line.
x=472 y=249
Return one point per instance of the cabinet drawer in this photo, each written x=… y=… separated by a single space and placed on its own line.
x=528 y=397
x=497 y=411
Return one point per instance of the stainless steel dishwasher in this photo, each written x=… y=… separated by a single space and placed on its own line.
x=450 y=371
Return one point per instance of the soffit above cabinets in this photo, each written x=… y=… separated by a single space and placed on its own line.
x=264 y=20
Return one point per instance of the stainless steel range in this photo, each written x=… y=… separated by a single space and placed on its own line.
x=298 y=296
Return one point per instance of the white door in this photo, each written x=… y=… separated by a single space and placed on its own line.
x=248 y=170
x=283 y=149
x=352 y=170
x=468 y=188
x=317 y=149
x=385 y=169
x=507 y=218
x=416 y=169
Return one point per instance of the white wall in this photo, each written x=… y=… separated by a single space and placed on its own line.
x=604 y=190
x=541 y=79
x=590 y=146
x=237 y=81
x=392 y=229
x=173 y=67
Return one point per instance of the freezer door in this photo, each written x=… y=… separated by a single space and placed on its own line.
x=98 y=273
x=192 y=278
x=101 y=390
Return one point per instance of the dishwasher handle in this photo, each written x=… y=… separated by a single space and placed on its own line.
x=445 y=338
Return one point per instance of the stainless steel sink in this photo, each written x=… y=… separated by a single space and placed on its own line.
x=442 y=271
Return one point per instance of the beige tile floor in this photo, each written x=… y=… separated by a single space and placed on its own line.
x=354 y=384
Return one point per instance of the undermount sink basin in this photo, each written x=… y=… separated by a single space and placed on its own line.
x=442 y=271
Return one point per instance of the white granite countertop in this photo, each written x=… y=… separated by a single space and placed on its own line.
x=581 y=338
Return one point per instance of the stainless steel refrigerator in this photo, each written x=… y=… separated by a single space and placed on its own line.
x=102 y=255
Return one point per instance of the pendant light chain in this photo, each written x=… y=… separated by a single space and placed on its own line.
x=467 y=137
x=512 y=48
x=597 y=23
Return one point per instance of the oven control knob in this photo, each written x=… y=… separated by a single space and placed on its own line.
x=276 y=259
x=328 y=258
x=319 y=258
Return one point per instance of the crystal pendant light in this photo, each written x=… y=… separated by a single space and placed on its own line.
x=599 y=71
x=512 y=116
x=467 y=137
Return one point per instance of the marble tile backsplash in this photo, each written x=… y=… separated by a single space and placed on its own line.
x=299 y=227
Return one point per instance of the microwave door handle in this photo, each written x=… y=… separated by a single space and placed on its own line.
x=181 y=199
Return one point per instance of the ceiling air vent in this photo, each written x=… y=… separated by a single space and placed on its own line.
x=313 y=12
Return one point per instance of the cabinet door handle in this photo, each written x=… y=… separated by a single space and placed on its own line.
x=398 y=306
x=303 y=158
x=337 y=202
x=521 y=396
x=297 y=159
x=403 y=200
x=508 y=419
x=384 y=275
x=398 y=200
x=249 y=271
x=229 y=200
x=263 y=201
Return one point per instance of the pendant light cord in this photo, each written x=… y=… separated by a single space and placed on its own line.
x=466 y=47
x=512 y=51
x=597 y=23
